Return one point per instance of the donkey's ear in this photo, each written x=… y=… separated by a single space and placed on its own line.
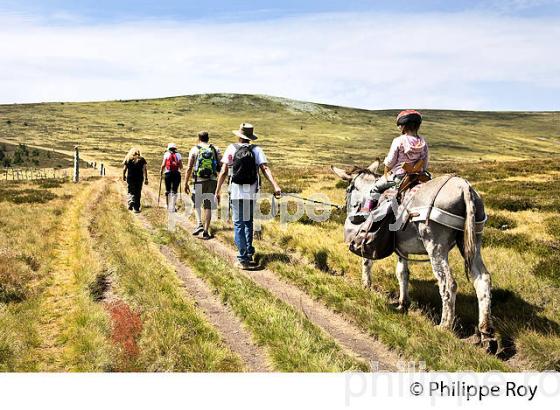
x=341 y=173
x=374 y=166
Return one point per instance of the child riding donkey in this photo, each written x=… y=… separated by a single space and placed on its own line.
x=408 y=152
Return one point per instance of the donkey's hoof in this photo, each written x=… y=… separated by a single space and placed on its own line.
x=403 y=307
x=490 y=345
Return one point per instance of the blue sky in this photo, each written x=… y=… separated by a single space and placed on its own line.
x=485 y=55
x=122 y=10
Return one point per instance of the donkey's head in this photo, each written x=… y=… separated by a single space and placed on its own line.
x=361 y=181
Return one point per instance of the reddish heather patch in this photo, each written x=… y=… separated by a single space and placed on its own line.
x=127 y=326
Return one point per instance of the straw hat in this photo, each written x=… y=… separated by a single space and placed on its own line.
x=246 y=132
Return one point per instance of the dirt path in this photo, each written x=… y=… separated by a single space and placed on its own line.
x=219 y=315
x=65 y=299
x=352 y=339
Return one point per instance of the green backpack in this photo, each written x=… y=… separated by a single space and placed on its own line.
x=207 y=162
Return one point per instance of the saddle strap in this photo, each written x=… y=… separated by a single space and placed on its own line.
x=445 y=180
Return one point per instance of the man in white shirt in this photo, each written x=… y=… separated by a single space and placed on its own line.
x=204 y=165
x=245 y=161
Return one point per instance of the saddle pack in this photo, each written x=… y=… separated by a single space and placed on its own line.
x=372 y=234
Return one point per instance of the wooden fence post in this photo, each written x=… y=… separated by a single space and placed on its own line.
x=76 y=175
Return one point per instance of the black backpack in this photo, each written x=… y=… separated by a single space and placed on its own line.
x=244 y=165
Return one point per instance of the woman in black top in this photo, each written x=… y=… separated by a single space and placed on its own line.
x=135 y=172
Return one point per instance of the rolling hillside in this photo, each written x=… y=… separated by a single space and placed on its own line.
x=85 y=285
x=313 y=134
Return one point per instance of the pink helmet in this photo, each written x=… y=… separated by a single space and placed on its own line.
x=409 y=117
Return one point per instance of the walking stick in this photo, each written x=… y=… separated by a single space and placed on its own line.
x=159 y=192
x=180 y=181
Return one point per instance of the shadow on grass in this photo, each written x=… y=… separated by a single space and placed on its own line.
x=511 y=314
x=265 y=259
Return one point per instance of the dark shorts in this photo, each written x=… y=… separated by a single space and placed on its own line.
x=203 y=194
x=172 y=181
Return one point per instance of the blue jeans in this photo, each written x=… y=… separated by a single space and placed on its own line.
x=242 y=212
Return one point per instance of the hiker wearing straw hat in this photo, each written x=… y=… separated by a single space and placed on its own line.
x=171 y=169
x=244 y=160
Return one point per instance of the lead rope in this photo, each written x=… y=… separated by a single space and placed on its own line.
x=314 y=201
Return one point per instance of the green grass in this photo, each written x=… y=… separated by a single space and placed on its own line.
x=293 y=343
x=174 y=336
x=411 y=335
x=30 y=157
x=29 y=269
x=76 y=329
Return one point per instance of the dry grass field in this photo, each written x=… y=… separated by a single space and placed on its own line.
x=85 y=287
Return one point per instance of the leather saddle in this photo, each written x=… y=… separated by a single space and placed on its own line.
x=415 y=175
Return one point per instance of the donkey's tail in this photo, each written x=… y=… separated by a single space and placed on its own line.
x=469 y=239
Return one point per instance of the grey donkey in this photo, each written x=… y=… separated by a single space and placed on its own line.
x=434 y=239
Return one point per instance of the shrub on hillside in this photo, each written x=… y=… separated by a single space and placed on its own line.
x=509 y=203
x=553 y=227
x=18 y=158
x=500 y=222
x=549 y=267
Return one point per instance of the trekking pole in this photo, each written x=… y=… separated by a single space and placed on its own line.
x=159 y=192
x=180 y=181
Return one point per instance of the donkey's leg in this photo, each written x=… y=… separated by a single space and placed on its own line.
x=438 y=240
x=483 y=286
x=447 y=286
x=366 y=273
x=402 y=276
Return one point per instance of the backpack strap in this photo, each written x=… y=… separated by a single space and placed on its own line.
x=218 y=163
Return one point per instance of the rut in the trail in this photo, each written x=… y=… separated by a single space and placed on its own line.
x=352 y=339
x=219 y=315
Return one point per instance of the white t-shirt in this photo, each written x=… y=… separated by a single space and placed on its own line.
x=246 y=191
x=167 y=155
x=193 y=157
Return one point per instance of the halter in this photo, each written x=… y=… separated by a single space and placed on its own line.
x=352 y=186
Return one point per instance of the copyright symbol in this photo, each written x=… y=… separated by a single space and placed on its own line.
x=416 y=389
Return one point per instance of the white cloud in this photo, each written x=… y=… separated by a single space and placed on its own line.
x=366 y=60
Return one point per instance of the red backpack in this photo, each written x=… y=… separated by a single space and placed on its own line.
x=171 y=162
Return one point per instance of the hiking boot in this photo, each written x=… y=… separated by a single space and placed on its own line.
x=198 y=230
x=242 y=265
x=206 y=235
x=130 y=207
x=137 y=211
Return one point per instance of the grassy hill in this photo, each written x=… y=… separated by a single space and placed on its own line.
x=313 y=134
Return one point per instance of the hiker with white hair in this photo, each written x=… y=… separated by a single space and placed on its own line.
x=135 y=173
x=171 y=170
x=245 y=160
